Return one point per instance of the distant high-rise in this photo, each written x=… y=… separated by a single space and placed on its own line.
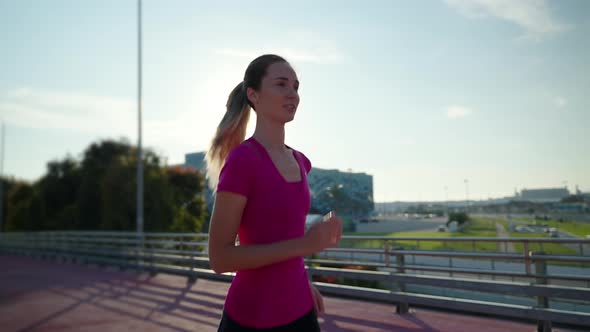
x=197 y=160
x=347 y=192
x=544 y=195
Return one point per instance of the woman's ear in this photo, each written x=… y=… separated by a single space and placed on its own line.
x=252 y=95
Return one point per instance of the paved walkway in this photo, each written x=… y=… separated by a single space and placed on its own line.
x=37 y=295
x=506 y=246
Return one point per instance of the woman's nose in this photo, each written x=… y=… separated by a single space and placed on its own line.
x=292 y=93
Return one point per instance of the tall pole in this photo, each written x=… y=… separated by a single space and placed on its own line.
x=466 y=195
x=447 y=200
x=139 y=151
x=2 y=179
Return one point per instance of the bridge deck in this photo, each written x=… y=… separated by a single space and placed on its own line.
x=38 y=295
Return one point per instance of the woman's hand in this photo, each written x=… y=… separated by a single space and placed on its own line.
x=324 y=234
x=318 y=300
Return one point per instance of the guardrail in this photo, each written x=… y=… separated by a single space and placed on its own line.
x=395 y=267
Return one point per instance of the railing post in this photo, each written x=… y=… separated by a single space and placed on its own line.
x=451 y=266
x=187 y=250
x=493 y=269
x=386 y=253
x=139 y=251
x=527 y=258
x=542 y=301
x=402 y=307
x=192 y=278
x=150 y=248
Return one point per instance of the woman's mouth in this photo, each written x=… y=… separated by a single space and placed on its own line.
x=290 y=107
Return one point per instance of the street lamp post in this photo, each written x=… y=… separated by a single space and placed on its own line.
x=447 y=200
x=139 y=206
x=2 y=179
x=466 y=195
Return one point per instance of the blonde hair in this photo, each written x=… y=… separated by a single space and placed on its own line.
x=230 y=133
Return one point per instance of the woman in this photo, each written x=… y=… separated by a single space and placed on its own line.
x=262 y=196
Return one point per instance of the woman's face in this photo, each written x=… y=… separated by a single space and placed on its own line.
x=277 y=99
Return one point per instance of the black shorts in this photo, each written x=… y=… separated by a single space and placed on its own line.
x=307 y=323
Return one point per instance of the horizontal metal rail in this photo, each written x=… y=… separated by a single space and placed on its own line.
x=185 y=255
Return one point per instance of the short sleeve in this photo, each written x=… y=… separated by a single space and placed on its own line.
x=237 y=174
x=306 y=162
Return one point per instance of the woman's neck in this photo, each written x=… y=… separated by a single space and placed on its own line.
x=270 y=135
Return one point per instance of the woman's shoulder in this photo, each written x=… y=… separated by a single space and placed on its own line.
x=304 y=159
x=245 y=152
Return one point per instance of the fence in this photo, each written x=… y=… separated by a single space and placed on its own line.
x=399 y=266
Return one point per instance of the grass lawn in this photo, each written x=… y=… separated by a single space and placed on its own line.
x=548 y=248
x=478 y=227
x=577 y=228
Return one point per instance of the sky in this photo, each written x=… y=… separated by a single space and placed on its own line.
x=438 y=99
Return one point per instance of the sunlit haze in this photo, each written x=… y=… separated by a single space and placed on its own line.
x=422 y=95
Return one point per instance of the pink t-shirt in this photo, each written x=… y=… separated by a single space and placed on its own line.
x=279 y=293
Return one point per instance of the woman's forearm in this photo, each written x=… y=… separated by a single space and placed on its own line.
x=235 y=258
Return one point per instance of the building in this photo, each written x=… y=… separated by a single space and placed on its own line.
x=346 y=192
x=197 y=160
x=546 y=195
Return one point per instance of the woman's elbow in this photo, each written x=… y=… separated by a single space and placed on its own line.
x=216 y=264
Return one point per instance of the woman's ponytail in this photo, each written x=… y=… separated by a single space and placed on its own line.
x=230 y=133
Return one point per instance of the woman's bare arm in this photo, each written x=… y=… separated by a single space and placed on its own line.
x=225 y=256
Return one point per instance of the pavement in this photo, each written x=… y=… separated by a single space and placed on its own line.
x=401 y=224
x=43 y=295
x=506 y=246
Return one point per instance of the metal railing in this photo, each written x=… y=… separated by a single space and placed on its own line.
x=548 y=287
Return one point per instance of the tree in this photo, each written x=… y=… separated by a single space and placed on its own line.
x=18 y=202
x=459 y=217
x=99 y=193
x=58 y=190
x=188 y=195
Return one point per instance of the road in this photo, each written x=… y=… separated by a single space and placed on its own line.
x=401 y=224
x=501 y=232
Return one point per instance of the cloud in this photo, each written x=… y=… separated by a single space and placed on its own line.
x=457 y=111
x=103 y=116
x=534 y=16
x=32 y=108
x=560 y=102
x=304 y=46
x=297 y=56
x=405 y=141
